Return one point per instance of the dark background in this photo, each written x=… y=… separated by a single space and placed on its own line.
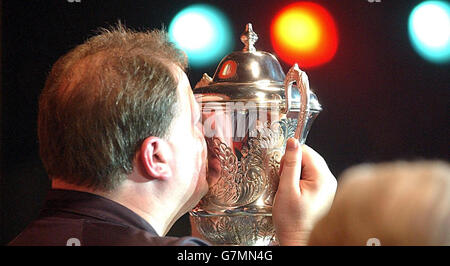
x=381 y=100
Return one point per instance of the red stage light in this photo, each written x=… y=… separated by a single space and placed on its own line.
x=304 y=33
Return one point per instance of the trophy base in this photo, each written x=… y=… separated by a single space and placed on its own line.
x=236 y=230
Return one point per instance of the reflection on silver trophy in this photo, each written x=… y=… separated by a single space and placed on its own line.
x=249 y=109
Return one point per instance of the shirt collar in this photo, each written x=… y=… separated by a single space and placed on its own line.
x=95 y=206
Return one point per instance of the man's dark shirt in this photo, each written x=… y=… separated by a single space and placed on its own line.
x=73 y=217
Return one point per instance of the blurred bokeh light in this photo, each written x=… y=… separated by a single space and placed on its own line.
x=429 y=30
x=203 y=33
x=304 y=33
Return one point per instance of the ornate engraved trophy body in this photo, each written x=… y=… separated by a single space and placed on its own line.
x=249 y=110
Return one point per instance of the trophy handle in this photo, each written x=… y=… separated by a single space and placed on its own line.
x=301 y=79
x=204 y=81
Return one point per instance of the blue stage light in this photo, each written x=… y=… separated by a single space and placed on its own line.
x=203 y=33
x=429 y=30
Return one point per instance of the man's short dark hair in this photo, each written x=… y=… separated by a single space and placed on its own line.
x=101 y=100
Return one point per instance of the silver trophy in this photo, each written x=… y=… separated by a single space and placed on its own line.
x=249 y=109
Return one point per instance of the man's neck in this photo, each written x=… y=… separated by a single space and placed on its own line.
x=161 y=219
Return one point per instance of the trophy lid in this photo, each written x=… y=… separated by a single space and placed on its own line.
x=249 y=75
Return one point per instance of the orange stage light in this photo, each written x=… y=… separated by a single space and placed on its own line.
x=304 y=33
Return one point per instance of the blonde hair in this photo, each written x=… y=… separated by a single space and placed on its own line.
x=398 y=203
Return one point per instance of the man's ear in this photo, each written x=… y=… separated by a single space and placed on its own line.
x=155 y=157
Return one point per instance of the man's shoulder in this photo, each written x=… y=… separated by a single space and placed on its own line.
x=130 y=236
x=51 y=231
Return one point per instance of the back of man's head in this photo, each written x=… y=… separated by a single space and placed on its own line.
x=101 y=100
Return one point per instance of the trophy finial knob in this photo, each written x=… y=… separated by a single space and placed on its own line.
x=249 y=38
